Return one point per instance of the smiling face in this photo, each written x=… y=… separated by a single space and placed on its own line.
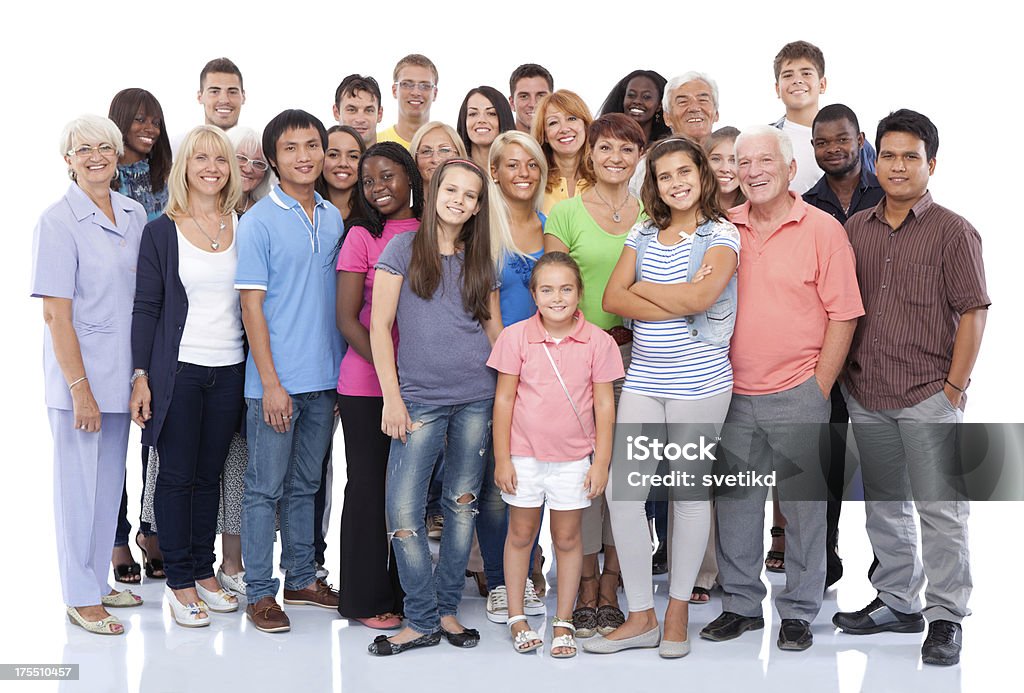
x=222 y=97
x=764 y=175
x=565 y=132
x=837 y=146
x=341 y=161
x=361 y=112
x=517 y=173
x=93 y=164
x=678 y=181
x=693 y=110
x=528 y=91
x=614 y=160
x=436 y=147
x=252 y=173
x=556 y=294
x=641 y=101
x=458 y=197
x=141 y=136
x=903 y=167
x=207 y=170
x=481 y=120
x=723 y=164
x=299 y=157
x=799 y=85
x=412 y=91
x=386 y=187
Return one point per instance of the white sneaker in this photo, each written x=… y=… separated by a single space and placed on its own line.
x=532 y=604
x=232 y=583
x=497 y=605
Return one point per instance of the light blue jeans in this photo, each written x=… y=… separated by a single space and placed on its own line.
x=283 y=467
x=463 y=433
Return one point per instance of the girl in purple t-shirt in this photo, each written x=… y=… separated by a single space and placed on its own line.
x=393 y=195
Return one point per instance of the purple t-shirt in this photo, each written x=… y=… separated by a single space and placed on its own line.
x=359 y=253
x=443 y=359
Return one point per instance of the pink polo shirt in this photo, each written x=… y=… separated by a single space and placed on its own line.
x=543 y=423
x=789 y=285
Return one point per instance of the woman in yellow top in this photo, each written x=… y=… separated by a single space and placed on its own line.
x=560 y=125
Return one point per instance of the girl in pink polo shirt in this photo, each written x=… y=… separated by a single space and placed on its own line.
x=392 y=193
x=553 y=411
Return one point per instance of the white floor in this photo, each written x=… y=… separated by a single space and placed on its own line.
x=326 y=653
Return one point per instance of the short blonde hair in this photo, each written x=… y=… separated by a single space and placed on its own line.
x=91 y=127
x=177 y=182
x=460 y=146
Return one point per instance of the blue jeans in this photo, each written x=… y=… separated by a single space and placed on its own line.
x=463 y=433
x=283 y=467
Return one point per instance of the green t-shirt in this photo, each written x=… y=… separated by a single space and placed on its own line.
x=595 y=250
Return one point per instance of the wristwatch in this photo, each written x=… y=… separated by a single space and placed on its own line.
x=139 y=373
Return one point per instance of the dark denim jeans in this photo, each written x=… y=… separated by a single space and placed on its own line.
x=193 y=445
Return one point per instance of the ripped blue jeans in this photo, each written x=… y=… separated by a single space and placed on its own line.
x=463 y=433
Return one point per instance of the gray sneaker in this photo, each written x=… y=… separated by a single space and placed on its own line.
x=532 y=604
x=497 y=605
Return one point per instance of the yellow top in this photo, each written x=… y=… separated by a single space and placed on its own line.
x=391 y=135
x=561 y=192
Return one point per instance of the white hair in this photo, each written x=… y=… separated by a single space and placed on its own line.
x=91 y=128
x=680 y=80
x=245 y=138
x=785 y=144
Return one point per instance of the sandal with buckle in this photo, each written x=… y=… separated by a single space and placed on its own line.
x=382 y=647
x=151 y=566
x=101 y=627
x=584 y=618
x=778 y=558
x=566 y=642
x=128 y=573
x=609 y=617
x=524 y=641
x=121 y=599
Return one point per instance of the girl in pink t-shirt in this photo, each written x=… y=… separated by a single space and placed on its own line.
x=393 y=197
x=553 y=411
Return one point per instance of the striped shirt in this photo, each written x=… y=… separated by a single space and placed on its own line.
x=915 y=282
x=667 y=361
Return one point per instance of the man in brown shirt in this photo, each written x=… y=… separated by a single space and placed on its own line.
x=922 y=279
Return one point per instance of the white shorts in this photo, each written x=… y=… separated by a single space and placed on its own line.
x=557 y=484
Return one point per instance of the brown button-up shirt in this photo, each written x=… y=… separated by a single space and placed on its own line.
x=916 y=281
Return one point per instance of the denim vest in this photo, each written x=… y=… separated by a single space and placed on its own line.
x=713 y=326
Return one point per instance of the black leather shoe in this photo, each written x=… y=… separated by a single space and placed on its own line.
x=942 y=646
x=876 y=617
x=469 y=637
x=795 y=634
x=729 y=625
x=382 y=647
x=659 y=562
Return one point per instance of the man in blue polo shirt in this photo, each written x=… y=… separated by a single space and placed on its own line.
x=286 y=249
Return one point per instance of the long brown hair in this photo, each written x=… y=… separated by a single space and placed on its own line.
x=655 y=207
x=478 y=272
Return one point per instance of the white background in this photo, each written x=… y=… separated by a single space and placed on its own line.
x=960 y=66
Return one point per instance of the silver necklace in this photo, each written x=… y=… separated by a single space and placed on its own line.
x=615 y=210
x=214 y=243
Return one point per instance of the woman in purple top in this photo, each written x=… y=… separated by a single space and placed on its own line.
x=391 y=191
x=83 y=267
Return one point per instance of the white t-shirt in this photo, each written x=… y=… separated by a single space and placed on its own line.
x=807 y=171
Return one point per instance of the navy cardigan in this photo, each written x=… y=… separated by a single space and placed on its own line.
x=158 y=318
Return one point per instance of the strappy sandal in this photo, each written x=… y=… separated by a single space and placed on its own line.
x=101 y=627
x=128 y=573
x=778 y=557
x=524 y=641
x=566 y=642
x=609 y=617
x=584 y=618
x=151 y=566
x=700 y=595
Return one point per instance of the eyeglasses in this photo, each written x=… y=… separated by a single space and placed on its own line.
x=409 y=85
x=440 y=153
x=85 y=151
x=257 y=164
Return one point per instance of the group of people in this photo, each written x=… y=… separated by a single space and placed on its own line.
x=488 y=310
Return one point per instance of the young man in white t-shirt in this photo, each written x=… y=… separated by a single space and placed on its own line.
x=799 y=82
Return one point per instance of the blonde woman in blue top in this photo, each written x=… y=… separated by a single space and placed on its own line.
x=676 y=281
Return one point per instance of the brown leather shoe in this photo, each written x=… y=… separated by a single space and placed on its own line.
x=317 y=594
x=268 y=617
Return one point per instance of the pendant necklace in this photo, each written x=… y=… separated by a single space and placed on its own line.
x=615 y=210
x=214 y=243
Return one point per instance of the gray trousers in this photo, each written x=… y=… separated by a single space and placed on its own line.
x=765 y=433
x=908 y=458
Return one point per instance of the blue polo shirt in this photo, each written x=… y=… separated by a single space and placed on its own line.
x=281 y=252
